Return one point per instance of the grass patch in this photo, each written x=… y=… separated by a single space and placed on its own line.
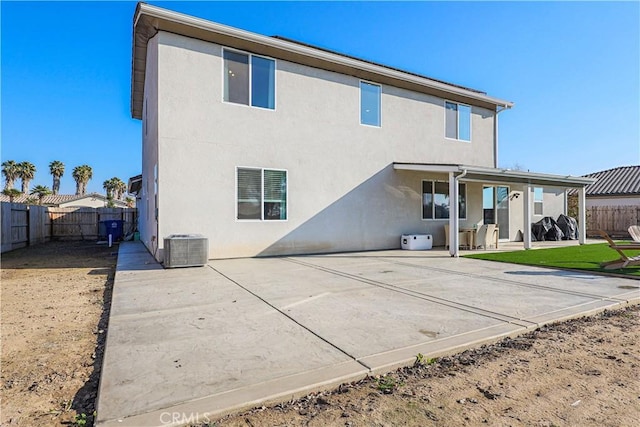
x=581 y=257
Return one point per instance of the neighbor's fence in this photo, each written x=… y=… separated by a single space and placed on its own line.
x=615 y=220
x=24 y=225
x=84 y=223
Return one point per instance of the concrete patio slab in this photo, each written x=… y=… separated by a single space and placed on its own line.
x=193 y=344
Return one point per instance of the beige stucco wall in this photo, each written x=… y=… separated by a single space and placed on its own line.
x=147 y=224
x=612 y=201
x=343 y=191
x=554 y=203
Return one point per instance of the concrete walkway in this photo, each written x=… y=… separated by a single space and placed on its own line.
x=193 y=344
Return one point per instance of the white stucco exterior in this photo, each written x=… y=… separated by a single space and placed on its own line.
x=343 y=191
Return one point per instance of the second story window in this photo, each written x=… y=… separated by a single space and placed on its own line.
x=249 y=79
x=457 y=121
x=369 y=104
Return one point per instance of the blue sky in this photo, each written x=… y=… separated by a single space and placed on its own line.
x=572 y=69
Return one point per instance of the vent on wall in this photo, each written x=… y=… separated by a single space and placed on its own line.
x=185 y=250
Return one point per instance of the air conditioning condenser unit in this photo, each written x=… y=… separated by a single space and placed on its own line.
x=185 y=250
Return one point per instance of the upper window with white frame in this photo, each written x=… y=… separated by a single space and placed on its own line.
x=457 y=121
x=538 y=200
x=435 y=200
x=249 y=79
x=261 y=194
x=370 y=104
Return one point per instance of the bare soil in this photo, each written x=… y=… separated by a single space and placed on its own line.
x=54 y=313
x=55 y=305
x=583 y=372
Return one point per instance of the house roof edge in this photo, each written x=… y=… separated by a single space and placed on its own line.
x=148 y=20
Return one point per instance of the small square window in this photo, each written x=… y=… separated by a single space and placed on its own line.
x=261 y=194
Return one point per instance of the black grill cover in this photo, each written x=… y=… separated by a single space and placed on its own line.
x=569 y=227
x=546 y=229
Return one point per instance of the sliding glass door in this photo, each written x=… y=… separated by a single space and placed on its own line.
x=495 y=208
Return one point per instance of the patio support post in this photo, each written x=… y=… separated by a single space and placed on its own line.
x=454 y=240
x=582 y=215
x=526 y=233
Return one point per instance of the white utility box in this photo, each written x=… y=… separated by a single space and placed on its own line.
x=416 y=242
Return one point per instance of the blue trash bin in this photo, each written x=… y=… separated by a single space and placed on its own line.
x=113 y=227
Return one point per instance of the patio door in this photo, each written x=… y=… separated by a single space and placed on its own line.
x=495 y=208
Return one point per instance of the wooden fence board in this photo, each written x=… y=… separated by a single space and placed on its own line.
x=19 y=225
x=37 y=224
x=615 y=220
x=6 y=235
x=23 y=225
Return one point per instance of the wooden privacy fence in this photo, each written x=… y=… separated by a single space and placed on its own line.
x=84 y=223
x=24 y=225
x=615 y=220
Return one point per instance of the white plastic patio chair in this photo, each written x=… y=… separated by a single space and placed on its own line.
x=634 y=231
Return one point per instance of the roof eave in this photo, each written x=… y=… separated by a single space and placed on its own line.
x=477 y=173
x=148 y=20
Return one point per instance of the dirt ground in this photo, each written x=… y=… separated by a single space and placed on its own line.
x=583 y=372
x=55 y=300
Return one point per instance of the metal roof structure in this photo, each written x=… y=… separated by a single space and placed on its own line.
x=149 y=20
x=620 y=181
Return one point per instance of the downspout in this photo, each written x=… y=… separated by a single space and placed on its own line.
x=454 y=220
x=499 y=109
x=462 y=175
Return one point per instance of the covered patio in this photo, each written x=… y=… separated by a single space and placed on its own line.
x=521 y=180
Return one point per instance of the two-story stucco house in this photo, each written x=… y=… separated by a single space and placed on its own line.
x=268 y=146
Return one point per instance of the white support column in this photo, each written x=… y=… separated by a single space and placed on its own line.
x=582 y=216
x=454 y=223
x=526 y=233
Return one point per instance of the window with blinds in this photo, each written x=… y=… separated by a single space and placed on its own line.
x=538 y=200
x=261 y=194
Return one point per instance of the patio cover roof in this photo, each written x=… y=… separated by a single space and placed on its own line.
x=458 y=173
x=498 y=175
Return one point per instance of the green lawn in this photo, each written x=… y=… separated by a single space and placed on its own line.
x=581 y=257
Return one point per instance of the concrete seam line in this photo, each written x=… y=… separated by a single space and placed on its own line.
x=289 y=317
x=507 y=281
x=436 y=300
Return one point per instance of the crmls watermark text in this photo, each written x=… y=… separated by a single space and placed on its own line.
x=184 y=418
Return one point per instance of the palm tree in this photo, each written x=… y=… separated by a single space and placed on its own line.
x=119 y=187
x=56 y=169
x=12 y=193
x=109 y=187
x=40 y=191
x=10 y=172
x=26 y=172
x=82 y=174
x=115 y=188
